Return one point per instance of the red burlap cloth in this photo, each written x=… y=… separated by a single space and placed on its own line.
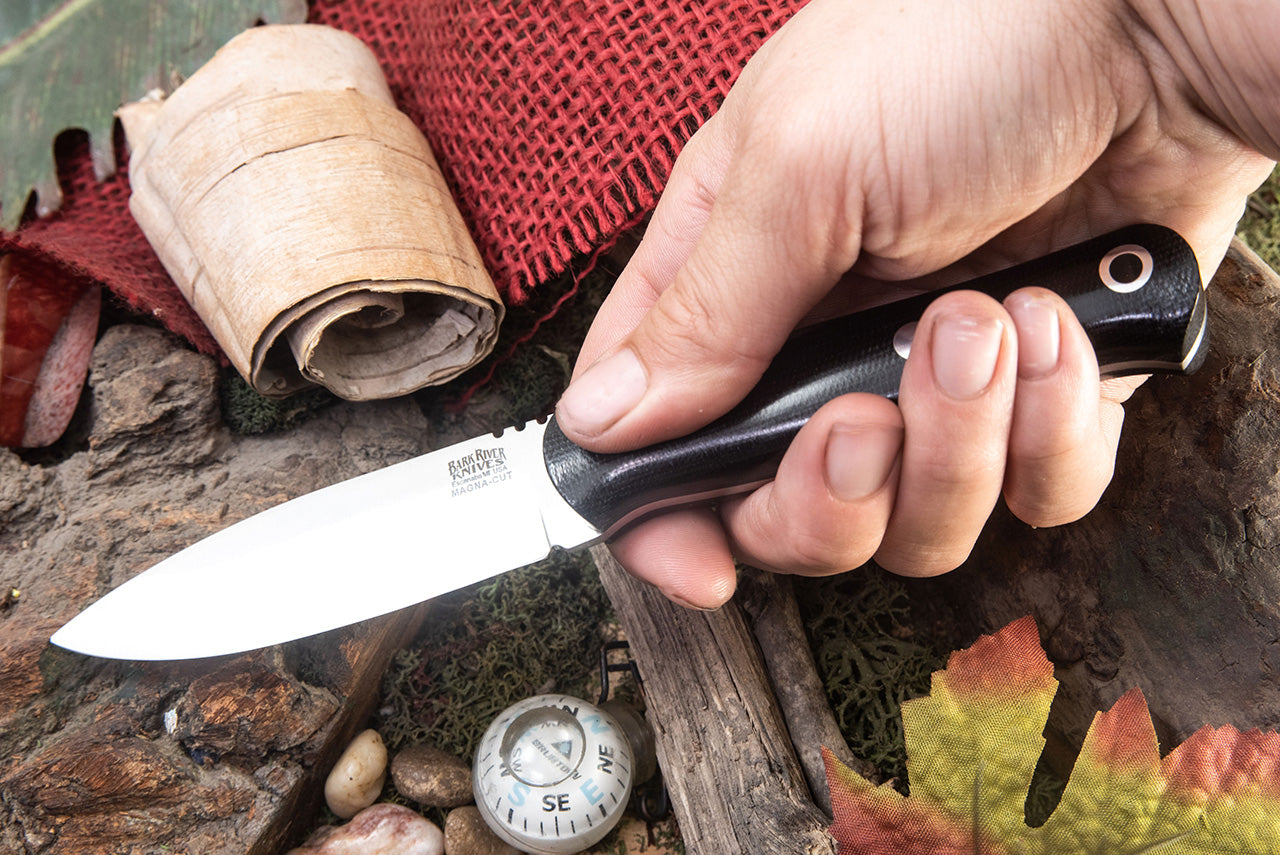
x=556 y=123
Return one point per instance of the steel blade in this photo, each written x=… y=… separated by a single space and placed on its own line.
x=352 y=551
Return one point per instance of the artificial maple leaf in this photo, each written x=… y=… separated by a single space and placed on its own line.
x=71 y=63
x=972 y=746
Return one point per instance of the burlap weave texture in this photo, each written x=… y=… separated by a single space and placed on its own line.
x=556 y=124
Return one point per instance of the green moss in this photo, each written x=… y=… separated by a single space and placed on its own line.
x=530 y=382
x=667 y=838
x=248 y=413
x=869 y=663
x=486 y=647
x=1260 y=226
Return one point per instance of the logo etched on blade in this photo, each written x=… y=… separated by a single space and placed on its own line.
x=479 y=469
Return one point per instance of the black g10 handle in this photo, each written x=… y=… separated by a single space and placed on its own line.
x=1136 y=292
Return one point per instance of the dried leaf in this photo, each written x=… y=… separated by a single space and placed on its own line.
x=973 y=744
x=70 y=64
x=47 y=330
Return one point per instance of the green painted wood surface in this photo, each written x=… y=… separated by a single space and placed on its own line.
x=70 y=63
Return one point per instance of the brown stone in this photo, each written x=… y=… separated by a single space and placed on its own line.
x=431 y=777
x=465 y=833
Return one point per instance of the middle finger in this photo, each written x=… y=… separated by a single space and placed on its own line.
x=956 y=399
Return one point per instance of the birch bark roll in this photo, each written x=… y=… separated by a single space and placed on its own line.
x=305 y=219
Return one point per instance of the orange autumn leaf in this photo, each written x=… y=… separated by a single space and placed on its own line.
x=973 y=744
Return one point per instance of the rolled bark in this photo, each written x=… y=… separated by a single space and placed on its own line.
x=305 y=219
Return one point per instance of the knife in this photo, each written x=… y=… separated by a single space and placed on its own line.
x=418 y=529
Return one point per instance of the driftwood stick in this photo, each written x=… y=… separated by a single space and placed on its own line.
x=735 y=783
x=770 y=601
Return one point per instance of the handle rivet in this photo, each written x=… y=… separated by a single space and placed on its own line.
x=902 y=339
x=1126 y=268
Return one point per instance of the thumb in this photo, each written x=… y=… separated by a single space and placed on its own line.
x=688 y=346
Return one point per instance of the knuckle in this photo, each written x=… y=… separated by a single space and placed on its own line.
x=823 y=552
x=826 y=196
x=921 y=560
x=787 y=541
x=685 y=334
x=813 y=558
x=965 y=470
x=1055 y=487
x=1045 y=500
x=786 y=132
x=680 y=316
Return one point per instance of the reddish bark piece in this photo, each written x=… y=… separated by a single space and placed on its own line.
x=47 y=330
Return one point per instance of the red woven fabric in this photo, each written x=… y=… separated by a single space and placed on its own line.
x=556 y=123
x=93 y=238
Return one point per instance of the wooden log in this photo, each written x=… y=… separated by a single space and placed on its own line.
x=214 y=756
x=735 y=782
x=1172 y=583
x=770 y=601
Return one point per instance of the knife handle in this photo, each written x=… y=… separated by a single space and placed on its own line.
x=1136 y=292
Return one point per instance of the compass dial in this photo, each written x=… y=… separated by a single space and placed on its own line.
x=552 y=775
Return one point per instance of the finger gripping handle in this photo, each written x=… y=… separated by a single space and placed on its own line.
x=1136 y=292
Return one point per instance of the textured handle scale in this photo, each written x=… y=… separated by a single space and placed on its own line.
x=1136 y=291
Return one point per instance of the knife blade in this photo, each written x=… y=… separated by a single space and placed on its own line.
x=455 y=516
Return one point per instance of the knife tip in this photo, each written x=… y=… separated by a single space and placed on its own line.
x=65 y=638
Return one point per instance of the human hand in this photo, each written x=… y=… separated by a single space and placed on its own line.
x=869 y=143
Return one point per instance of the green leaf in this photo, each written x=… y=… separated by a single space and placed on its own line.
x=19 y=15
x=972 y=746
x=71 y=63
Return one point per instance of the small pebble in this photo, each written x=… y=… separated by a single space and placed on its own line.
x=357 y=778
x=465 y=833
x=384 y=829
x=431 y=777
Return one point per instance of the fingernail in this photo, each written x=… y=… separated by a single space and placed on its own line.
x=1039 y=334
x=683 y=603
x=604 y=393
x=965 y=352
x=860 y=459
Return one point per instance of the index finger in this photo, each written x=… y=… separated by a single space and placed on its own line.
x=673 y=230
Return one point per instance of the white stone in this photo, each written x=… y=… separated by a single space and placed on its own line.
x=357 y=778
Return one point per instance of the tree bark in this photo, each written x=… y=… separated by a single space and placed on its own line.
x=214 y=756
x=770 y=601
